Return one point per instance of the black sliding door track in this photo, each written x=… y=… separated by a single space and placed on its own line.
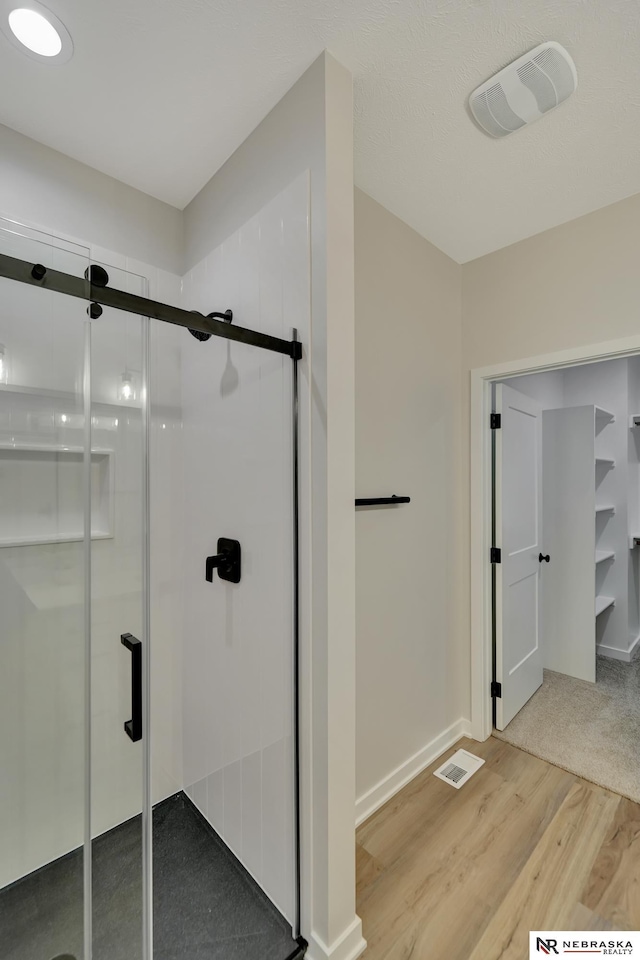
x=25 y=272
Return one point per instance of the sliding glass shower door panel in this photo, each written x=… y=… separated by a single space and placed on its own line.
x=43 y=650
x=119 y=647
x=72 y=614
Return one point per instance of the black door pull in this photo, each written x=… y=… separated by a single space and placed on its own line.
x=133 y=727
x=228 y=561
x=542 y=557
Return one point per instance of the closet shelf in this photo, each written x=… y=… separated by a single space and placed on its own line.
x=606 y=509
x=605 y=415
x=604 y=555
x=605 y=462
x=602 y=603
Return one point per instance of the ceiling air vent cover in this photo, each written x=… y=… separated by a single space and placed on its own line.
x=525 y=90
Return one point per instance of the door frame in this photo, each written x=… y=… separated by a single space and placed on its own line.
x=481 y=381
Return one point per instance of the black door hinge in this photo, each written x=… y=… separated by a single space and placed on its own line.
x=496 y=555
x=496 y=421
x=496 y=689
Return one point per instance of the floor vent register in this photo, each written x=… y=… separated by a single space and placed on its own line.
x=458 y=768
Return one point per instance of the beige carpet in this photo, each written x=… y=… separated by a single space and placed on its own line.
x=590 y=729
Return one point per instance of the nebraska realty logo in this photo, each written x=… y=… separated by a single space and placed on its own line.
x=562 y=943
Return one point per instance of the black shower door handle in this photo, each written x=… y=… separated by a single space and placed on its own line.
x=133 y=727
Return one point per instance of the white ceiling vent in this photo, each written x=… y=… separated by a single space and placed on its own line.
x=525 y=90
x=458 y=768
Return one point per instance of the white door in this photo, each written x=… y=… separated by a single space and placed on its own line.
x=518 y=516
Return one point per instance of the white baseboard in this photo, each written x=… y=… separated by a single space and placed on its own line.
x=615 y=654
x=369 y=802
x=348 y=946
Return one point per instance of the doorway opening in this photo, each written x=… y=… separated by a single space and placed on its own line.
x=560 y=596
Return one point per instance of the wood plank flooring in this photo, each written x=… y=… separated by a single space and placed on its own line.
x=465 y=874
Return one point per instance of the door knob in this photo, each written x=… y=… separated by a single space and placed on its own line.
x=542 y=557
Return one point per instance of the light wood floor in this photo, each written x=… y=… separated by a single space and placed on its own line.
x=465 y=874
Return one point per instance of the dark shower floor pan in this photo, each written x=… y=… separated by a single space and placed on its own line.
x=206 y=906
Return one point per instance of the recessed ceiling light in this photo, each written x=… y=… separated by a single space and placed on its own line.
x=35 y=31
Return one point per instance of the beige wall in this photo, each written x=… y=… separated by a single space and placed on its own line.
x=412 y=651
x=576 y=284
x=422 y=323
x=48 y=190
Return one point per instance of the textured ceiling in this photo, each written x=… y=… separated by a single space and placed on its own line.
x=160 y=92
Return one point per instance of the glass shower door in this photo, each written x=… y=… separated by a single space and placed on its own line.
x=43 y=653
x=118 y=626
x=72 y=535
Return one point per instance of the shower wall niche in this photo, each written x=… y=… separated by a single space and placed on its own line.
x=42 y=493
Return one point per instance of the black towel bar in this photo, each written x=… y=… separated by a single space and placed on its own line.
x=372 y=501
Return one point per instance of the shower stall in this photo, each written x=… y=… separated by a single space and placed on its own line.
x=148 y=600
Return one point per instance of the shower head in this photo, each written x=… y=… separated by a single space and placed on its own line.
x=199 y=335
x=227 y=317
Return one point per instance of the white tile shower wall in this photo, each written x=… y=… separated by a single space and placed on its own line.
x=238 y=665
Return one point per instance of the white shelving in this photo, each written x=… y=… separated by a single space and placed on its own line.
x=602 y=419
x=591 y=478
x=604 y=416
x=584 y=531
x=571 y=528
x=603 y=603
x=602 y=555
